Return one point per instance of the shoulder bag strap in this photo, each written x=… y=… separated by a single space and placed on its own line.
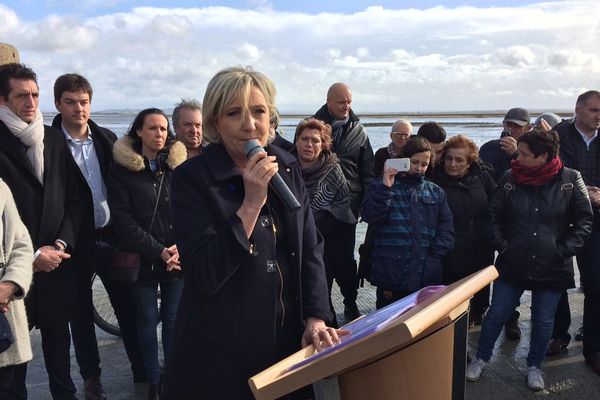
x=162 y=177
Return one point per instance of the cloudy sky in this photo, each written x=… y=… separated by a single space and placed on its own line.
x=396 y=55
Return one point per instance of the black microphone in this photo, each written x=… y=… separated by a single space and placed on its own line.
x=279 y=186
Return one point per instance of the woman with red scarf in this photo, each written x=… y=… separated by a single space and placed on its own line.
x=540 y=216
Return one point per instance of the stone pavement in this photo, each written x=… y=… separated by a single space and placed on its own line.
x=567 y=377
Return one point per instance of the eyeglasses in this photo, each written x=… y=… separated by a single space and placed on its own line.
x=400 y=134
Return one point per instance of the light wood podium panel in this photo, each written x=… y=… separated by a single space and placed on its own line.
x=411 y=358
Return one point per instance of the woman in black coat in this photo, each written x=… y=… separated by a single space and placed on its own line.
x=138 y=195
x=468 y=186
x=540 y=217
x=254 y=274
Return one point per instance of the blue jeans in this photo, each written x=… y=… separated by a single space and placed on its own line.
x=148 y=317
x=505 y=298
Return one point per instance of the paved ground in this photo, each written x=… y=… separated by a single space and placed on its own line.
x=567 y=377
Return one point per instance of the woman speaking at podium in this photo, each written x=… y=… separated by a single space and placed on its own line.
x=255 y=285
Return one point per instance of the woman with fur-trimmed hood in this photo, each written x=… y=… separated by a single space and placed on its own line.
x=138 y=194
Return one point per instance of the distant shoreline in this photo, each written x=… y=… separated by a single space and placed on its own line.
x=420 y=115
x=434 y=115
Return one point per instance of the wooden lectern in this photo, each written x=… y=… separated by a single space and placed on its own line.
x=420 y=355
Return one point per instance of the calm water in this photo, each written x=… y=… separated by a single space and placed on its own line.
x=480 y=129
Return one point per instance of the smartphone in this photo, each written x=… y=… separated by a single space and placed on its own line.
x=399 y=164
x=505 y=133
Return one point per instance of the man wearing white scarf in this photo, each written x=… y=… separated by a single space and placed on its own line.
x=30 y=134
x=35 y=164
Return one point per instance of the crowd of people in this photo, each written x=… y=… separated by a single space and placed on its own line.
x=245 y=280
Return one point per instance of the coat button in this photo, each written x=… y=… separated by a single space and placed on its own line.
x=287 y=170
x=536 y=209
x=293 y=254
x=533 y=256
x=167 y=198
x=534 y=233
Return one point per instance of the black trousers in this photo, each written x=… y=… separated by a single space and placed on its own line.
x=12 y=382
x=82 y=326
x=338 y=256
x=56 y=344
x=82 y=323
x=589 y=266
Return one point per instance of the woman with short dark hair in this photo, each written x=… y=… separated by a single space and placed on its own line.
x=540 y=217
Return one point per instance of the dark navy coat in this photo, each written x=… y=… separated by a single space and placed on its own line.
x=225 y=328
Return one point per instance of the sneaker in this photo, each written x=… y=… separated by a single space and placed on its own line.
x=474 y=369
x=556 y=346
x=535 y=379
x=511 y=327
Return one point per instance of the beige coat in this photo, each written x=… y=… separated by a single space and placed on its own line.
x=18 y=257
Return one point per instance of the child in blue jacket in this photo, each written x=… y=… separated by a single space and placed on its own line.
x=413 y=227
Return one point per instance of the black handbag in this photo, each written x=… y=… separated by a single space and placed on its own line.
x=125 y=266
x=6 y=335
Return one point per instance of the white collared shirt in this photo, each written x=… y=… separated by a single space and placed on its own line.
x=587 y=139
x=86 y=158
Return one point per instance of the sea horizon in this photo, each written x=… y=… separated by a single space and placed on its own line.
x=367 y=114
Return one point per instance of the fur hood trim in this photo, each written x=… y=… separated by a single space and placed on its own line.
x=125 y=155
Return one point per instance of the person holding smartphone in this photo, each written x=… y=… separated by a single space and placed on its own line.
x=413 y=226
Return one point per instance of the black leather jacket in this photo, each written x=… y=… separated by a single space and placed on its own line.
x=537 y=229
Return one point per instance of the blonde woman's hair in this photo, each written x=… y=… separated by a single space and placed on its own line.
x=231 y=84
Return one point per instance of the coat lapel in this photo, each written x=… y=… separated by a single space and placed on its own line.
x=14 y=149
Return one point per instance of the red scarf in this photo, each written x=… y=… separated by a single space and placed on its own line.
x=535 y=176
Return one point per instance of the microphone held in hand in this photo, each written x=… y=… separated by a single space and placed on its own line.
x=279 y=186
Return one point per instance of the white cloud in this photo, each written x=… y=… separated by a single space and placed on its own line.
x=394 y=60
x=249 y=52
x=516 y=56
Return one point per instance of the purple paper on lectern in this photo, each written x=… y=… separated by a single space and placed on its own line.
x=373 y=322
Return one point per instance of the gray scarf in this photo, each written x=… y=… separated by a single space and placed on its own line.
x=337 y=128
